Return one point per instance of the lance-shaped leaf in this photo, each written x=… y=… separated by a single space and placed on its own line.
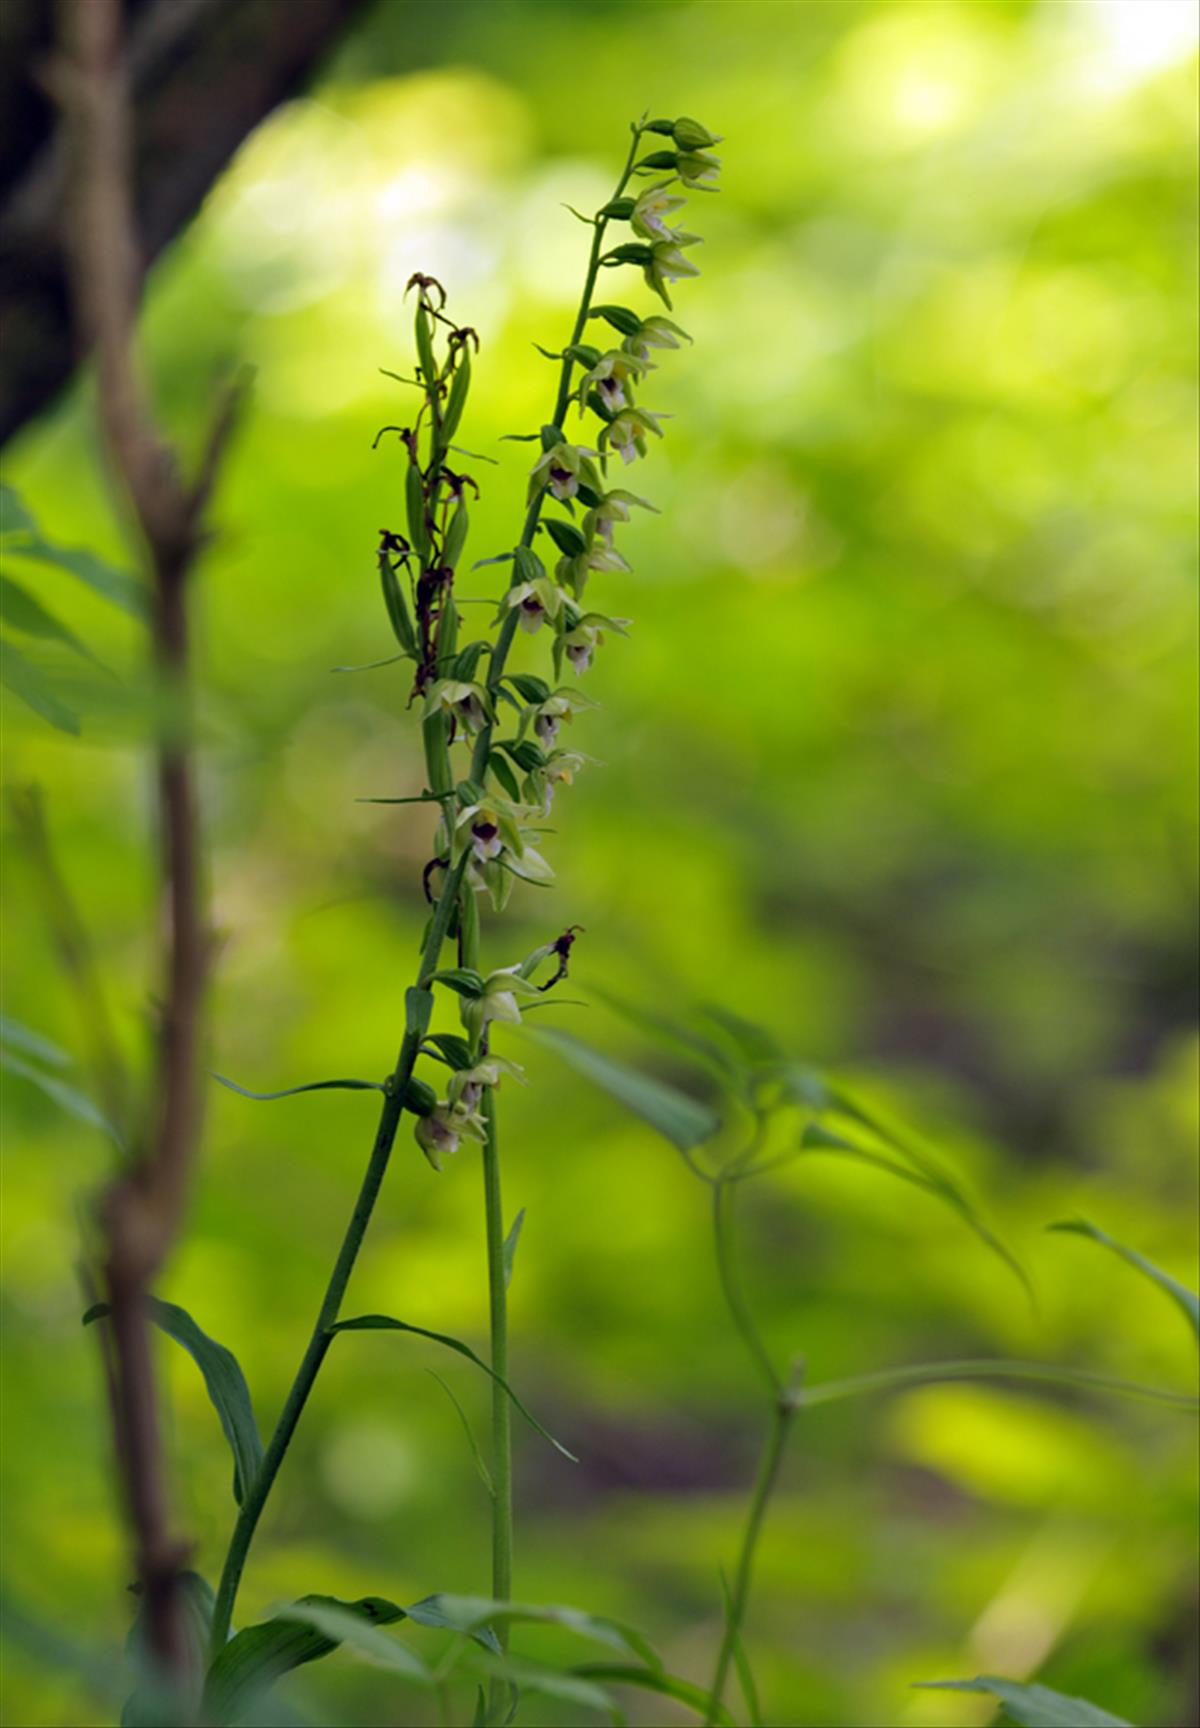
x=704 y=1051
x=155 y=1699
x=984 y=1368
x=29 y=682
x=385 y=1323
x=66 y=1096
x=22 y=611
x=30 y=1043
x=678 y=1118
x=256 y=1657
x=24 y=539
x=1187 y=1299
x=1033 y=1706
x=685 y=1692
x=470 y=1613
x=310 y=1086
x=925 y=1176
x=223 y=1378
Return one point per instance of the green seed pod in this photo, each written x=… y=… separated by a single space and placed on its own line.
x=665 y=127
x=420 y=1097
x=447 y=638
x=435 y=731
x=659 y=159
x=457 y=399
x=424 y=334
x=456 y=535
x=565 y=536
x=620 y=209
x=414 y=492
x=620 y=317
x=397 y=606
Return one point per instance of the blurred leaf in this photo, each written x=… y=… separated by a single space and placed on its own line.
x=384 y=1323
x=708 y=1054
x=21 y=611
x=66 y=1096
x=310 y=1086
x=926 y=1176
x=31 y=1043
x=469 y=1613
x=741 y=1661
x=223 y=1378
x=680 y=1119
x=156 y=1700
x=655 y=1680
x=1033 y=1706
x=994 y=1368
x=256 y=1657
x=25 y=540
x=29 y=683
x=753 y=1042
x=572 y=1685
x=1179 y=1293
x=510 y=1246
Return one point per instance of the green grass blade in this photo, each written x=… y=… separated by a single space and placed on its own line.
x=984 y=1368
x=1033 y=1706
x=680 y=1119
x=385 y=1323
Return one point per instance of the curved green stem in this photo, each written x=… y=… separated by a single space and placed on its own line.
x=731 y=1287
x=259 y=1490
x=782 y=1413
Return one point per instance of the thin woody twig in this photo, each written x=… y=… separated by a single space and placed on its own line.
x=142 y=1210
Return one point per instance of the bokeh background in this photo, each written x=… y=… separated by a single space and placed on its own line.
x=899 y=759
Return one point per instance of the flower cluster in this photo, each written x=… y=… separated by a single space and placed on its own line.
x=493 y=808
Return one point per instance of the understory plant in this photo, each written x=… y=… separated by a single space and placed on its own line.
x=498 y=747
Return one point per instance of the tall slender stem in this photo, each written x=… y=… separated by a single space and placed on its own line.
x=259 y=1490
x=782 y=1412
x=502 y=1511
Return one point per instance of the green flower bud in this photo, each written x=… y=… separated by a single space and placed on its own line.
x=691 y=135
x=698 y=170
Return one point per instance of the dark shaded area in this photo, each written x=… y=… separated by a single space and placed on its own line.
x=205 y=73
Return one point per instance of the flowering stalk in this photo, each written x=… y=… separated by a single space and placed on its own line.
x=490 y=818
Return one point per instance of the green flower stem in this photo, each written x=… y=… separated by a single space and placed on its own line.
x=310 y=1365
x=782 y=1413
x=508 y=628
x=502 y=1512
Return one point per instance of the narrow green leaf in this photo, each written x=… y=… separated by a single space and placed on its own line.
x=984 y=1368
x=680 y=1119
x=704 y=1051
x=223 y=1379
x=28 y=682
x=1033 y=1706
x=31 y=1043
x=21 y=611
x=1179 y=1293
x=104 y=579
x=754 y=1043
x=925 y=1176
x=259 y=1655
x=571 y=1685
x=311 y=1086
x=385 y=1323
x=510 y=1245
x=469 y=1613
x=66 y=1096
x=473 y=1444
x=684 y=1692
x=346 y=1624
x=14 y=517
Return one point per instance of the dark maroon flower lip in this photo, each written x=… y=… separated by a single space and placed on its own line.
x=485 y=830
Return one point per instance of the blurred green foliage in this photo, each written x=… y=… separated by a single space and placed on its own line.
x=900 y=758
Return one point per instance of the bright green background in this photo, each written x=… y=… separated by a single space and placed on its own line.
x=899 y=758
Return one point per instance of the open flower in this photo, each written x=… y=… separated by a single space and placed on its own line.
x=465 y=703
x=440 y=1131
x=559 y=768
x=627 y=433
x=650 y=213
x=667 y=263
x=655 y=332
x=486 y=829
x=497 y=1000
x=698 y=169
x=549 y=715
x=610 y=377
x=562 y=469
x=614 y=507
x=581 y=641
x=466 y=1086
x=535 y=602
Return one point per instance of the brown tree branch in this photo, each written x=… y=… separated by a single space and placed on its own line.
x=142 y=1209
